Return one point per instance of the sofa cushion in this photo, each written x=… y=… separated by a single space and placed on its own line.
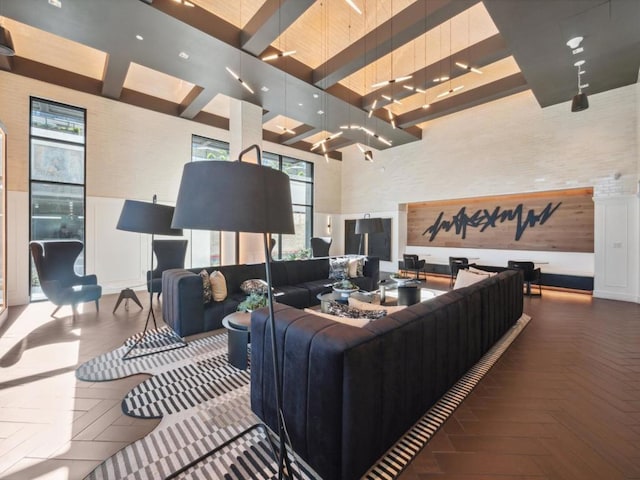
x=207 y=295
x=254 y=285
x=466 y=278
x=218 y=286
x=315 y=288
x=236 y=274
x=301 y=271
x=339 y=268
x=356 y=267
x=293 y=296
x=480 y=271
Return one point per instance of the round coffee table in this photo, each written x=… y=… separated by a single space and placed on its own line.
x=238 y=325
x=334 y=296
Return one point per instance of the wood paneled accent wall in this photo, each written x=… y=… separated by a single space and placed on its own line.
x=559 y=221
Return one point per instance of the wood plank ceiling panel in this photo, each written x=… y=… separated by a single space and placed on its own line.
x=49 y=49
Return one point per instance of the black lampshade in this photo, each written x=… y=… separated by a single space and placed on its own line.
x=234 y=197
x=6 y=45
x=146 y=217
x=580 y=102
x=368 y=225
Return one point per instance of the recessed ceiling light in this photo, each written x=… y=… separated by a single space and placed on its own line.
x=300 y=104
x=315 y=95
x=139 y=37
x=55 y=3
x=264 y=88
x=320 y=112
x=184 y=55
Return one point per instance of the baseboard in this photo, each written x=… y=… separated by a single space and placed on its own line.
x=623 y=297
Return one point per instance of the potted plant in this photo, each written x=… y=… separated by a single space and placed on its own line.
x=252 y=302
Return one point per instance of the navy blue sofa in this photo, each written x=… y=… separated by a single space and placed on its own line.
x=350 y=393
x=296 y=282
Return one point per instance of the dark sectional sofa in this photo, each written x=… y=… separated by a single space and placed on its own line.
x=296 y=282
x=350 y=393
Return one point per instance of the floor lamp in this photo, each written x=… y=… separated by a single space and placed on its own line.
x=241 y=197
x=365 y=226
x=153 y=218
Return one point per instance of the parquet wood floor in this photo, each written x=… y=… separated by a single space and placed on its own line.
x=562 y=403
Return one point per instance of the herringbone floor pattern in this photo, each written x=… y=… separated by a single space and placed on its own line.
x=562 y=403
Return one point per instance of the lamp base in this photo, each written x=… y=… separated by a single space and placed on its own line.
x=174 y=339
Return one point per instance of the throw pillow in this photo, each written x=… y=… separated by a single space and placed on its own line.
x=339 y=268
x=479 y=271
x=254 y=285
x=355 y=303
x=341 y=310
x=466 y=278
x=354 y=322
x=218 y=286
x=356 y=267
x=207 y=295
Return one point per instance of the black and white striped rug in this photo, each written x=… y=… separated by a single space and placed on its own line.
x=204 y=402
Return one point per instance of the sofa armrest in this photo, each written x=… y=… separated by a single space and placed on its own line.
x=372 y=270
x=182 y=306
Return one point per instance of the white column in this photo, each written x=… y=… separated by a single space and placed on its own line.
x=245 y=129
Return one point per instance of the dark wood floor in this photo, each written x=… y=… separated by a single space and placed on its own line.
x=562 y=403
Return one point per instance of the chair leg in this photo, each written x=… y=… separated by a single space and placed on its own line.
x=97 y=304
x=57 y=308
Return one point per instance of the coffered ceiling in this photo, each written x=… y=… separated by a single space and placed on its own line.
x=172 y=56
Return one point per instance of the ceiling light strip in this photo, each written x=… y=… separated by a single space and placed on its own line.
x=242 y=82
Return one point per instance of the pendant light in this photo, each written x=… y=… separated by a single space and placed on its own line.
x=580 y=101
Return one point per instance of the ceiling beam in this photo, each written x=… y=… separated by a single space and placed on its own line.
x=486 y=93
x=273 y=137
x=410 y=23
x=479 y=55
x=57 y=76
x=273 y=18
x=115 y=73
x=195 y=101
x=302 y=131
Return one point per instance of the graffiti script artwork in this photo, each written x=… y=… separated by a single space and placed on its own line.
x=549 y=221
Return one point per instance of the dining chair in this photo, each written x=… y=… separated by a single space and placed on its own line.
x=412 y=263
x=455 y=264
x=531 y=275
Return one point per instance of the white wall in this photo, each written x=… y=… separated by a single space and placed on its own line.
x=507 y=146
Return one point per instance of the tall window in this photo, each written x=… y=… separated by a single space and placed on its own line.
x=301 y=181
x=57 y=176
x=205 y=245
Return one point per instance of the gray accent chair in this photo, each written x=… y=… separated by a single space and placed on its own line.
x=320 y=246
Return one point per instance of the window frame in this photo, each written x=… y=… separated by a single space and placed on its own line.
x=83 y=185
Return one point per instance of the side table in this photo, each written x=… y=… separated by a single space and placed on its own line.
x=238 y=335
